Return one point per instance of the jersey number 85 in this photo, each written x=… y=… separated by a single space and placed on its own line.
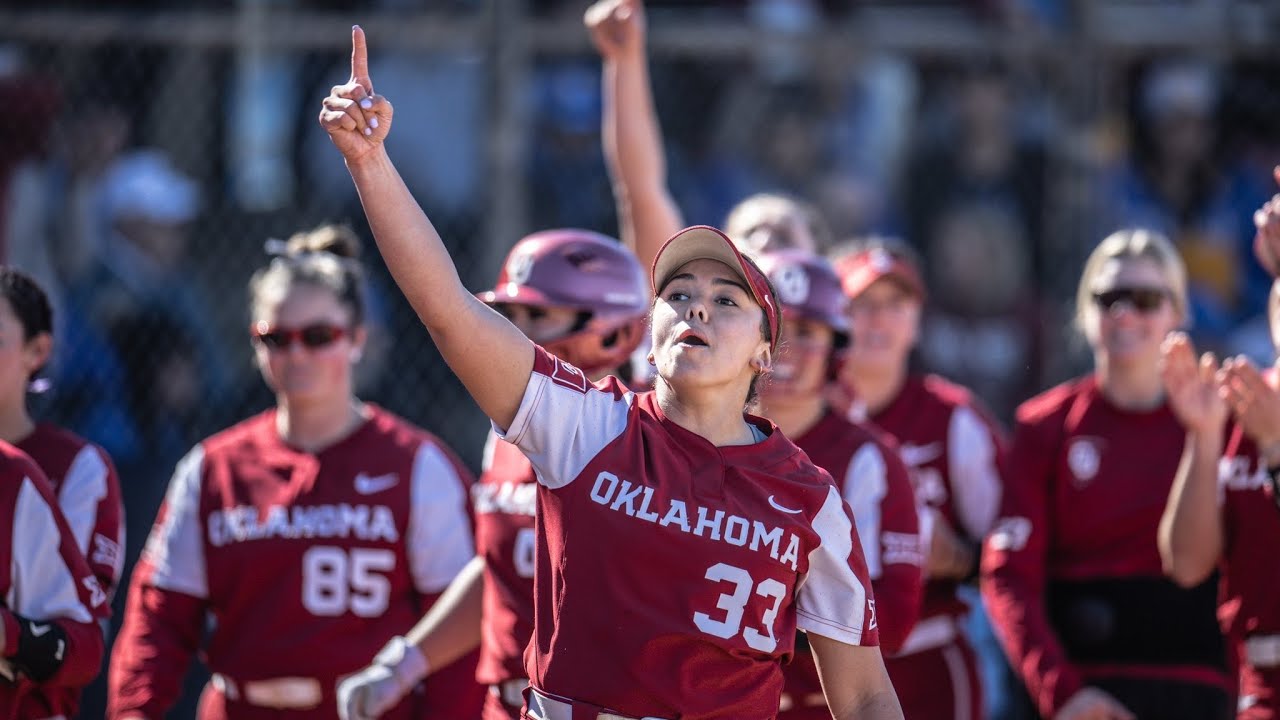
x=335 y=580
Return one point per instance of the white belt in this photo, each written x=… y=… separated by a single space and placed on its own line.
x=545 y=707
x=1262 y=651
x=284 y=693
x=928 y=634
x=510 y=692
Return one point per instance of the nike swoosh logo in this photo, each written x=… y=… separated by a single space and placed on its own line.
x=787 y=510
x=366 y=485
x=38 y=630
x=917 y=455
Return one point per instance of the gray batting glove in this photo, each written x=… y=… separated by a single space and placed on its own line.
x=395 y=671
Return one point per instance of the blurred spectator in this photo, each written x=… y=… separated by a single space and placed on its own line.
x=983 y=323
x=57 y=227
x=1178 y=182
x=56 y=218
x=25 y=140
x=869 y=104
x=142 y=270
x=984 y=155
x=569 y=186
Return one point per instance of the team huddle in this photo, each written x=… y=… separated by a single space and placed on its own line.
x=713 y=486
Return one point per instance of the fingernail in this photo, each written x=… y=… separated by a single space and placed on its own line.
x=366 y=104
x=367 y=131
x=353 y=27
x=373 y=122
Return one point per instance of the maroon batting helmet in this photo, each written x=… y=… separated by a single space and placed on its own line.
x=583 y=271
x=808 y=287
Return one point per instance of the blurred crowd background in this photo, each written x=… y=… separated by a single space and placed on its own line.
x=150 y=150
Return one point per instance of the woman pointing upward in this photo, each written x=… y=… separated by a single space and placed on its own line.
x=680 y=541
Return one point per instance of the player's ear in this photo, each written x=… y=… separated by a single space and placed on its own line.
x=359 y=337
x=36 y=352
x=762 y=361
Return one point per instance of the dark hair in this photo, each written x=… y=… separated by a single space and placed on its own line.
x=326 y=257
x=28 y=300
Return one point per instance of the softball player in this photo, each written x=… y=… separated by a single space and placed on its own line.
x=324 y=523
x=680 y=543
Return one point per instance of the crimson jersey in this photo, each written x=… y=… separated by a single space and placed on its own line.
x=876 y=484
x=1072 y=574
x=45 y=579
x=672 y=575
x=88 y=492
x=1250 y=579
x=307 y=561
x=953 y=450
x=503 y=502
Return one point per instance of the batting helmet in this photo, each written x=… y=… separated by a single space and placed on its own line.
x=583 y=271
x=808 y=287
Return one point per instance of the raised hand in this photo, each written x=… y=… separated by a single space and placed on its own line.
x=1191 y=386
x=356 y=119
x=1266 y=244
x=1256 y=404
x=616 y=26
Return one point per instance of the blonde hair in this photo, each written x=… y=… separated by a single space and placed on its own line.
x=773 y=209
x=326 y=256
x=1134 y=244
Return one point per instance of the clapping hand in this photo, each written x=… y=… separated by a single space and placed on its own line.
x=1191 y=385
x=1255 y=403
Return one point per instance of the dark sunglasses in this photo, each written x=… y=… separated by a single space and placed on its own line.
x=1141 y=299
x=313 y=336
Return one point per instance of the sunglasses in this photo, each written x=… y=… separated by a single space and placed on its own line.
x=313 y=336
x=1143 y=300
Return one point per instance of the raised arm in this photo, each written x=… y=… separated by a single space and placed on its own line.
x=633 y=148
x=1190 y=536
x=491 y=357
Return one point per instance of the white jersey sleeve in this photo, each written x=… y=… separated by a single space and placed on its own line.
x=42 y=585
x=440 y=542
x=175 y=548
x=865 y=485
x=83 y=489
x=564 y=421
x=975 y=475
x=831 y=599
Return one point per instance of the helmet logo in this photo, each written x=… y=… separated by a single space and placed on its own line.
x=792 y=283
x=519 y=267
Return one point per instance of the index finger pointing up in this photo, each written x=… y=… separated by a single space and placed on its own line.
x=360 y=60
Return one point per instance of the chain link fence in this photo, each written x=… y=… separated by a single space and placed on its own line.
x=149 y=153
